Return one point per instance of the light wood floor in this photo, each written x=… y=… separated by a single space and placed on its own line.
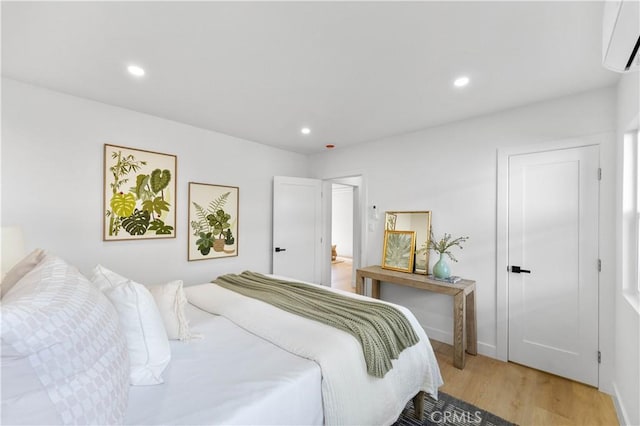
x=341 y=274
x=523 y=395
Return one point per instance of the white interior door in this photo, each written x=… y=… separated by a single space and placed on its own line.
x=553 y=239
x=297 y=228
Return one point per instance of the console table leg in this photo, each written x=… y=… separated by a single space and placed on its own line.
x=459 y=336
x=472 y=327
x=375 y=288
x=359 y=284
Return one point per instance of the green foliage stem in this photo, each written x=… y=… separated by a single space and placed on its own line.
x=445 y=244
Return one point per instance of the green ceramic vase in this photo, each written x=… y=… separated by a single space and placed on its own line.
x=441 y=268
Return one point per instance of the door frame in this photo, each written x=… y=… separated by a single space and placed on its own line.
x=359 y=222
x=502 y=230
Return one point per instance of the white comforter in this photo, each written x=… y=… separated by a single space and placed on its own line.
x=264 y=386
x=350 y=396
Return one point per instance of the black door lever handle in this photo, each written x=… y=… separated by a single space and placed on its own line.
x=518 y=270
x=278 y=249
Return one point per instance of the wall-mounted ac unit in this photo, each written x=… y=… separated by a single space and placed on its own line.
x=621 y=35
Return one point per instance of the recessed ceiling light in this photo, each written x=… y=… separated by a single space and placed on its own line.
x=305 y=130
x=135 y=70
x=461 y=81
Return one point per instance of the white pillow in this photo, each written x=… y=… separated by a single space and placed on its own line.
x=141 y=322
x=169 y=298
x=64 y=357
x=147 y=341
x=106 y=279
x=171 y=301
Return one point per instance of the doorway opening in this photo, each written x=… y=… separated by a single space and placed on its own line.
x=343 y=227
x=342 y=237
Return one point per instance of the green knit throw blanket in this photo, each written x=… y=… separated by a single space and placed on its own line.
x=383 y=331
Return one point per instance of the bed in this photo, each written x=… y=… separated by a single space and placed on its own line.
x=343 y=392
x=70 y=355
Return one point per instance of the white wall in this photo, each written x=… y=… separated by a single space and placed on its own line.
x=52 y=177
x=451 y=170
x=342 y=219
x=627 y=317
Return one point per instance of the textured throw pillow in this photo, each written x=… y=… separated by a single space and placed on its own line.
x=140 y=319
x=64 y=357
x=21 y=269
x=171 y=301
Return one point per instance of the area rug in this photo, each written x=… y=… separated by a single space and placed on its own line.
x=449 y=411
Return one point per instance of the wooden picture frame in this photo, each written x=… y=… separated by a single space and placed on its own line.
x=398 y=250
x=139 y=194
x=213 y=221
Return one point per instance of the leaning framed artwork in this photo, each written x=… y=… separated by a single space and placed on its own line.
x=213 y=221
x=139 y=194
x=397 y=253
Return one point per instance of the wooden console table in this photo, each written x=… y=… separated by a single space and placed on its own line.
x=464 y=303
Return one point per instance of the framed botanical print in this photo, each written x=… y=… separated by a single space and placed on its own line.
x=398 y=250
x=139 y=194
x=213 y=221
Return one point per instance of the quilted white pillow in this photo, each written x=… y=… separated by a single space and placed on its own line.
x=64 y=357
x=147 y=341
x=171 y=301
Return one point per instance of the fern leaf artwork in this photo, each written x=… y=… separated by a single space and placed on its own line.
x=214 y=227
x=398 y=250
x=146 y=209
x=199 y=223
x=218 y=203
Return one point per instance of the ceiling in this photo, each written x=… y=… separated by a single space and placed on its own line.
x=350 y=71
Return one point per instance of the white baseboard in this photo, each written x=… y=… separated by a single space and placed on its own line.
x=623 y=419
x=439 y=335
x=488 y=350
x=447 y=337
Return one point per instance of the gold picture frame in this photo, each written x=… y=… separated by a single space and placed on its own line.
x=139 y=194
x=398 y=250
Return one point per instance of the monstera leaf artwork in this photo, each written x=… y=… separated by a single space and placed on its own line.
x=213 y=217
x=139 y=194
x=137 y=223
x=123 y=204
x=399 y=247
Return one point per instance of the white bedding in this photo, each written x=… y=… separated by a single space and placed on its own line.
x=229 y=377
x=350 y=395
